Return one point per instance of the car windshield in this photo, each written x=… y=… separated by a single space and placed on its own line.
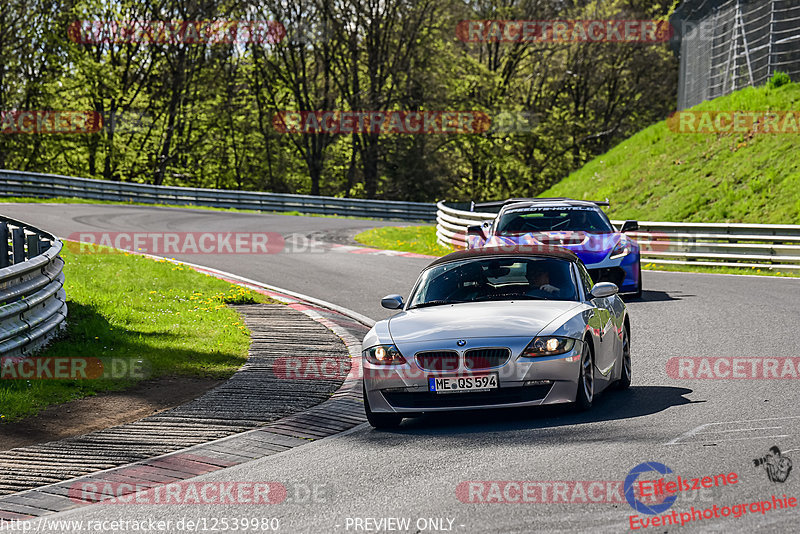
x=489 y=279
x=550 y=219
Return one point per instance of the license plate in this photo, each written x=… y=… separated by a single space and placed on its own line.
x=448 y=384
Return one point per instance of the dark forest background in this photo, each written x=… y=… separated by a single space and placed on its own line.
x=200 y=114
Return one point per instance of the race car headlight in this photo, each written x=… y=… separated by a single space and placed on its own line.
x=384 y=355
x=623 y=248
x=548 y=346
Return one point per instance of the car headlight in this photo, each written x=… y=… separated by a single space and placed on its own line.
x=548 y=346
x=384 y=355
x=623 y=248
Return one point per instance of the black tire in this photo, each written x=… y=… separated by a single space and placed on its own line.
x=585 y=395
x=624 y=381
x=638 y=293
x=380 y=420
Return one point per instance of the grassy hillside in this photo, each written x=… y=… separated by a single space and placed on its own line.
x=661 y=175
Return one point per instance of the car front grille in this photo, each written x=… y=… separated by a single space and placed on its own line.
x=464 y=400
x=486 y=358
x=608 y=274
x=438 y=360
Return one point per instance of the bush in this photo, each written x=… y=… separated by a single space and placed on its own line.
x=778 y=79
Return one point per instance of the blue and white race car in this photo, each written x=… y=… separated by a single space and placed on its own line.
x=580 y=226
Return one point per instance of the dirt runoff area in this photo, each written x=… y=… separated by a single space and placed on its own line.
x=105 y=410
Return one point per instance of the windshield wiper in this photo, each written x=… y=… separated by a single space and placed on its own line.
x=435 y=303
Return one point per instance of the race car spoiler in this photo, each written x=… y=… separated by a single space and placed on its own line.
x=500 y=203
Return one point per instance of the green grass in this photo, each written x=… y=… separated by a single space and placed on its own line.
x=171 y=318
x=419 y=239
x=759 y=271
x=661 y=175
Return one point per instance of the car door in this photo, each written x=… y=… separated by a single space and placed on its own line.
x=602 y=325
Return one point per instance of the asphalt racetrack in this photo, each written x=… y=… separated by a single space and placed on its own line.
x=433 y=472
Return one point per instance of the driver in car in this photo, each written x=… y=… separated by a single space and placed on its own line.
x=539 y=279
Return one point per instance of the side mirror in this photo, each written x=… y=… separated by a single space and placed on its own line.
x=630 y=226
x=393 y=302
x=602 y=290
x=478 y=229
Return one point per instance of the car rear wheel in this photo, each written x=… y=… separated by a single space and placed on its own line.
x=380 y=420
x=624 y=381
x=585 y=396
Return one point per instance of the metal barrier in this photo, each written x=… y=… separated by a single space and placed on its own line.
x=451 y=224
x=726 y=45
x=32 y=299
x=15 y=183
x=711 y=244
x=772 y=246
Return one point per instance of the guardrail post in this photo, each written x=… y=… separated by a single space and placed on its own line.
x=33 y=245
x=4 y=250
x=18 y=245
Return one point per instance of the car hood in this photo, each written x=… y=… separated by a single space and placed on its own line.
x=476 y=320
x=590 y=248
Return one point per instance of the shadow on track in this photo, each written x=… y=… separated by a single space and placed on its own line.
x=656 y=296
x=638 y=401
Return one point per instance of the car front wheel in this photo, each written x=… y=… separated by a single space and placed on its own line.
x=585 y=396
x=624 y=381
x=380 y=420
x=638 y=293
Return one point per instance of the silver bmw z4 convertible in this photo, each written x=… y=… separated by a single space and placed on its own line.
x=496 y=327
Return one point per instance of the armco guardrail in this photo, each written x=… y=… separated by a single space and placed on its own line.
x=773 y=246
x=15 y=183
x=33 y=304
x=452 y=223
